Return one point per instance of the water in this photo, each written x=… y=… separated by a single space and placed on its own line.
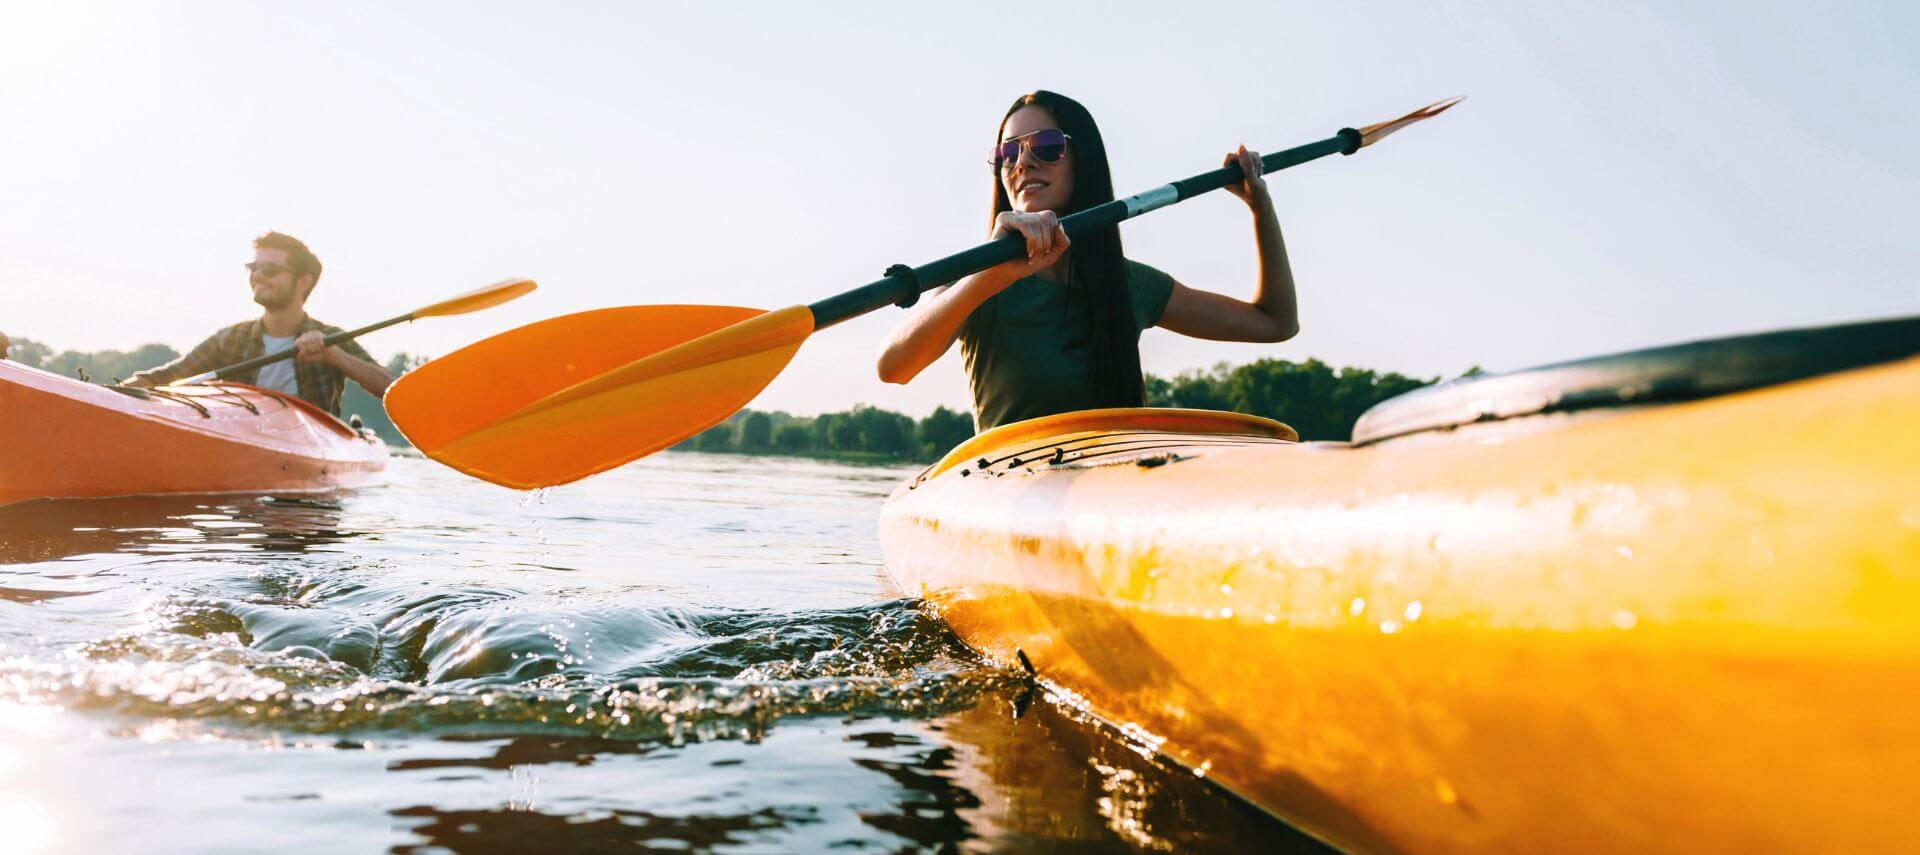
x=694 y=652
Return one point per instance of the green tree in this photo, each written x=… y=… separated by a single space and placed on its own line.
x=1200 y=390
x=845 y=434
x=99 y=366
x=28 y=352
x=1300 y=394
x=883 y=432
x=940 y=431
x=716 y=438
x=823 y=431
x=756 y=432
x=792 y=438
x=1159 y=390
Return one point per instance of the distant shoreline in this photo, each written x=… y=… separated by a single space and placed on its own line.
x=863 y=458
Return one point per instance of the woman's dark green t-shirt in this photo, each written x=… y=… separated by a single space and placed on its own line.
x=1028 y=355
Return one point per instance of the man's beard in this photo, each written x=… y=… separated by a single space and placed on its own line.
x=272 y=299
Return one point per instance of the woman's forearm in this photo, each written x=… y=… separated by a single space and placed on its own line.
x=927 y=333
x=1274 y=293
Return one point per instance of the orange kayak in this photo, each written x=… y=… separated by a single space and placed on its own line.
x=64 y=438
x=1658 y=601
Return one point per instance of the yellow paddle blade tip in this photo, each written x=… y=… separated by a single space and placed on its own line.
x=479 y=298
x=1374 y=133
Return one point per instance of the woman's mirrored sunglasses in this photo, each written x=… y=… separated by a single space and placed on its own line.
x=1047 y=146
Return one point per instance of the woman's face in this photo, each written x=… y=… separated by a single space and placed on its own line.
x=1031 y=184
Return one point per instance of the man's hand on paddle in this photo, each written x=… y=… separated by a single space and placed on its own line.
x=313 y=346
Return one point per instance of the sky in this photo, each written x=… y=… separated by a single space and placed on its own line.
x=1622 y=174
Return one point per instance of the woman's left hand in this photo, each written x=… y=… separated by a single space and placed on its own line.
x=1253 y=188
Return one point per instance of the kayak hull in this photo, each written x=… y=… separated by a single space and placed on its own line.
x=63 y=438
x=1686 y=627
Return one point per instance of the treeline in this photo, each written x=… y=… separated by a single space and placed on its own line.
x=101 y=366
x=108 y=366
x=1316 y=399
x=862 y=433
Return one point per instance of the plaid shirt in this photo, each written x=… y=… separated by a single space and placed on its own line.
x=320 y=383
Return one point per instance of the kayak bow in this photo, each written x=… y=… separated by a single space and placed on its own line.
x=1682 y=626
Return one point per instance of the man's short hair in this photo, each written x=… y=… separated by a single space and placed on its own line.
x=300 y=259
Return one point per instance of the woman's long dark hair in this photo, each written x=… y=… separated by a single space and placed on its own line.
x=1096 y=268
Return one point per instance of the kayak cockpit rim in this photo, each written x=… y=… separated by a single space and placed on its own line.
x=1047 y=432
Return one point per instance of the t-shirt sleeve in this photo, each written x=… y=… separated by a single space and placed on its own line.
x=351 y=346
x=1150 y=289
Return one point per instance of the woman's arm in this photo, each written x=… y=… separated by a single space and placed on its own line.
x=1274 y=315
x=931 y=328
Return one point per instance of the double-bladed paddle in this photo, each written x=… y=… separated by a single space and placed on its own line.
x=472 y=301
x=556 y=401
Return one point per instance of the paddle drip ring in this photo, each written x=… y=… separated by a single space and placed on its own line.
x=904 y=272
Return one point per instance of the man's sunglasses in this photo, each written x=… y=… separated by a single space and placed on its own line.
x=1047 y=146
x=267 y=269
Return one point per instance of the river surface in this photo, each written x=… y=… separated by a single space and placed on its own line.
x=692 y=653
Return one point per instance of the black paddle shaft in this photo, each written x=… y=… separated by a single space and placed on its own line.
x=902 y=285
x=235 y=370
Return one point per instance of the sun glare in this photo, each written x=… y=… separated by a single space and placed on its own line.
x=26 y=822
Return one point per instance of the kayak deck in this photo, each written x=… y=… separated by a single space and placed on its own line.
x=1684 y=627
x=69 y=439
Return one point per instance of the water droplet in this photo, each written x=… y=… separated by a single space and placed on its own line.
x=1624 y=619
x=1358 y=605
x=1413 y=610
x=1389 y=627
x=1624 y=551
x=1226 y=612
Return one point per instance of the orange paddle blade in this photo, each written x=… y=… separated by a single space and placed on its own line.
x=477 y=299
x=556 y=401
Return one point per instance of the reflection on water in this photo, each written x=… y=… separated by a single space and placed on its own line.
x=50 y=531
x=695 y=652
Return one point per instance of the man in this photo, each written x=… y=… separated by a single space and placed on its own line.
x=283 y=273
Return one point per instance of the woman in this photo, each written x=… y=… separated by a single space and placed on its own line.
x=1059 y=330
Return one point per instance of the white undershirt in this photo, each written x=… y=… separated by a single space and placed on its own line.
x=278 y=376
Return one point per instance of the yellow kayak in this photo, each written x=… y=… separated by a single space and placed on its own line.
x=1583 y=608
